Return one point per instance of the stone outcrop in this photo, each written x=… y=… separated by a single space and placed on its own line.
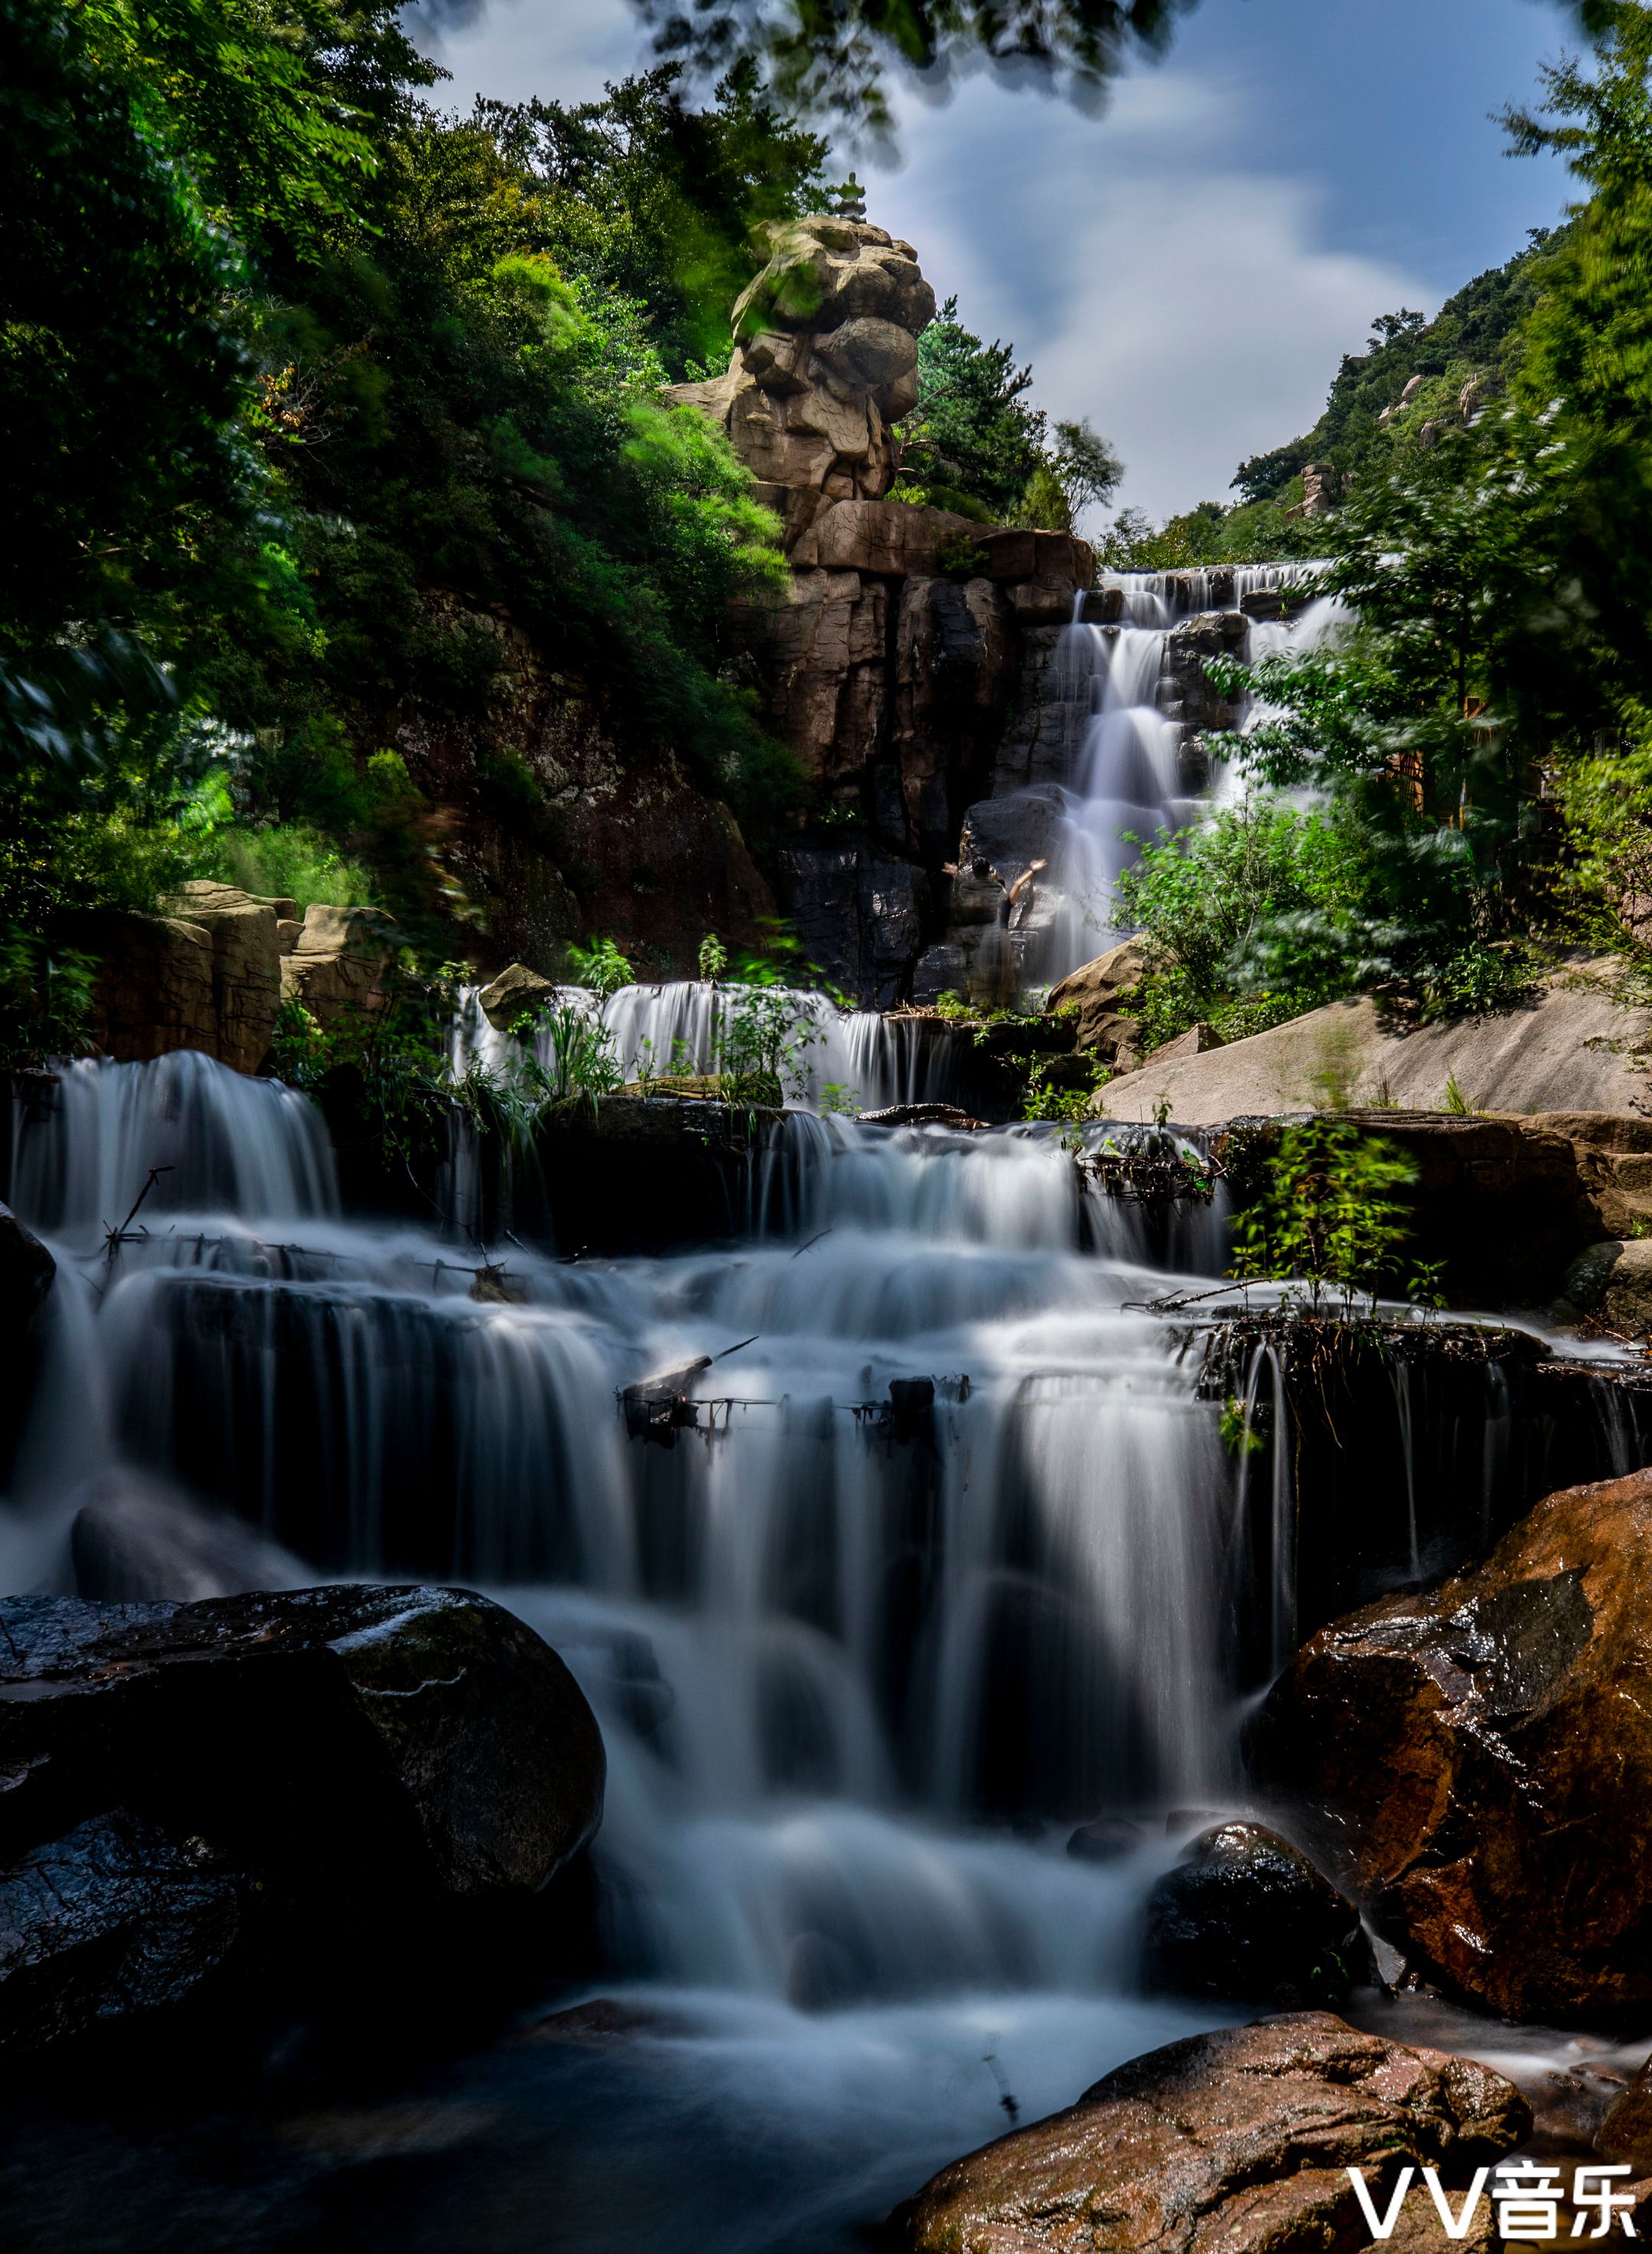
x=1245 y=1916
x=1613 y=1283
x=1481 y=1755
x=1239 y=2141
x=1573 y=1047
x=246 y=966
x=362 y=1750
x=1095 y=990
x=154 y=989
x=516 y=992
x=892 y=661
x=1626 y=2132
x=557 y=825
x=825 y=359
x=338 y=963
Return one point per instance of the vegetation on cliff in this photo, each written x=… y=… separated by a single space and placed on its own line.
x=1480 y=739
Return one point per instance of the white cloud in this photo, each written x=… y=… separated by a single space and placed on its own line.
x=1184 y=301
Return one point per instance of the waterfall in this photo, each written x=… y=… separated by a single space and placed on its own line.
x=870 y=1060
x=889 y=1542
x=1128 y=785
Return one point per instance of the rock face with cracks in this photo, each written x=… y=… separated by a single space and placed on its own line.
x=372 y=1752
x=1238 y=2141
x=1481 y=1757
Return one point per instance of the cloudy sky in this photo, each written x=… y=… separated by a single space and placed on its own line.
x=1187 y=270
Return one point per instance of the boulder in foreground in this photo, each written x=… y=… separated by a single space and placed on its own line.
x=1239 y=2141
x=1482 y=1754
x=349 y=1763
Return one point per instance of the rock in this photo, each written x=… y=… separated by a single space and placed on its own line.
x=516 y=991
x=1097 y=988
x=1321 y=483
x=412 y=1741
x=1572 y=1048
x=922 y=1114
x=1197 y=1041
x=1626 y=2132
x=890 y=539
x=1414 y=384
x=1185 y=693
x=826 y=654
x=1245 y=1916
x=1107 y=1839
x=133 y=1542
x=1613 y=1282
x=1238 y=2141
x=1482 y=1755
x=1428 y=437
x=338 y=963
x=954 y=668
x=154 y=988
x=116 y=1920
x=27 y=1270
x=247 y=956
x=859 y=918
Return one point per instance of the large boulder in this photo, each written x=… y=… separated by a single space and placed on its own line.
x=422 y=1738
x=1614 y=1282
x=1572 y=1048
x=1480 y=1755
x=154 y=986
x=360 y=1762
x=516 y=992
x=1096 y=990
x=1239 y=2141
x=1245 y=1915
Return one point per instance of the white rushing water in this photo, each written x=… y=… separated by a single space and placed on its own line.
x=1128 y=785
x=931 y=1554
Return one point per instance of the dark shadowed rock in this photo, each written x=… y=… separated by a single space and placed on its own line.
x=1107 y=1839
x=133 y=1541
x=422 y=1739
x=1483 y=1754
x=26 y=1270
x=1239 y=2141
x=118 y=1919
x=1245 y=1915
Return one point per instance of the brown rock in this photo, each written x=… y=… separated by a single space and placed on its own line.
x=1613 y=1282
x=1233 y=2143
x=247 y=955
x=338 y=962
x=154 y=985
x=1483 y=1754
x=1626 y=2133
x=1197 y=1041
x=869 y=354
x=1098 y=987
x=890 y=538
x=516 y=990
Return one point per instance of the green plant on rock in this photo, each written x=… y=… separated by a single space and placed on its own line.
x=714 y=958
x=602 y=968
x=584 y=1059
x=1329 y=1215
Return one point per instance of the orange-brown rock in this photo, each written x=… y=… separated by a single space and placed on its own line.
x=1096 y=989
x=1238 y=2142
x=154 y=990
x=1481 y=1755
x=1626 y=2133
x=246 y=966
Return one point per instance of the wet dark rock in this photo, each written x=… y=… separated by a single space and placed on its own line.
x=1245 y=1916
x=1481 y=1755
x=133 y=1542
x=1107 y=1839
x=421 y=1738
x=366 y=1763
x=118 y=1919
x=860 y=916
x=26 y=1273
x=1240 y=2141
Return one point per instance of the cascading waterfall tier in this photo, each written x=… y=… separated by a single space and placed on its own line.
x=887 y=1541
x=1130 y=779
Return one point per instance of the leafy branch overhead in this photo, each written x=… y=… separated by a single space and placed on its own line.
x=834 y=57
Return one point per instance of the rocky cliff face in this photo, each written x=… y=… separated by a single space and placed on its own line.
x=908 y=639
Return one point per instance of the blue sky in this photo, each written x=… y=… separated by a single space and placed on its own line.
x=1187 y=270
